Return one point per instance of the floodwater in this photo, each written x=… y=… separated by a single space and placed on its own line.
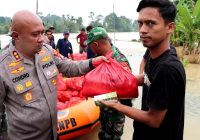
x=134 y=52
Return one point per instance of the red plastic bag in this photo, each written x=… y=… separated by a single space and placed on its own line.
x=73 y=93
x=61 y=86
x=63 y=96
x=75 y=83
x=109 y=77
x=61 y=105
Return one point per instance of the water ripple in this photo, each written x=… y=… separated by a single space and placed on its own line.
x=192 y=105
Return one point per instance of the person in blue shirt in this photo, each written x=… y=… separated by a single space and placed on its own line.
x=64 y=47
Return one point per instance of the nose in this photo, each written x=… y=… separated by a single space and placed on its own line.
x=143 y=29
x=41 y=38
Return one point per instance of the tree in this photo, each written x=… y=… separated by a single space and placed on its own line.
x=124 y=24
x=4 y=24
x=188 y=21
x=91 y=16
x=111 y=23
x=98 y=21
x=135 y=26
x=120 y=24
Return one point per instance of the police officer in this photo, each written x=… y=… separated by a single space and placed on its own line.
x=28 y=80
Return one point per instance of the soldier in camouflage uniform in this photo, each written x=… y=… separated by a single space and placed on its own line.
x=112 y=121
x=28 y=80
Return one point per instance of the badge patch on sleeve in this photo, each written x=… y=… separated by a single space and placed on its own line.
x=53 y=82
x=18 y=70
x=51 y=72
x=28 y=84
x=19 y=87
x=13 y=64
x=28 y=96
x=16 y=55
x=45 y=59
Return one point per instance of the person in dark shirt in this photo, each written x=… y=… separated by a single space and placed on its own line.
x=147 y=56
x=163 y=98
x=52 y=29
x=49 y=35
x=90 y=53
x=64 y=46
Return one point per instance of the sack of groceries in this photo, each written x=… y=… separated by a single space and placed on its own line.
x=110 y=77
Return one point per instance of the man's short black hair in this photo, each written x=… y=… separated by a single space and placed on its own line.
x=48 y=30
x=166 y=8
x=83 y=29
x=89 y=28
x=52 y=28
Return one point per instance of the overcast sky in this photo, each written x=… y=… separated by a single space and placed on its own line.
x=76 y=8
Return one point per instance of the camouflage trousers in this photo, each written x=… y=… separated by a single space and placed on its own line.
x=112 y=124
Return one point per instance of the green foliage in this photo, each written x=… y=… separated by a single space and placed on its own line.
x=62 y=23
x=112 y=23
x=187 y=24
x=98 y=21
x=91 y=16
x=119 y=24
x=4 y=24
x=135 y=26
x=184 y=62
x=4 y=20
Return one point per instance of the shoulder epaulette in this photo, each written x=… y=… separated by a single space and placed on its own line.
x=46 y=46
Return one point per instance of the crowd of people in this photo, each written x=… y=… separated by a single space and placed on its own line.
x=64 y=46
x=31 y=62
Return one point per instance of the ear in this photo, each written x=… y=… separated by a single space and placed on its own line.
x=14 y=35
x=170 y=27
x=96 y=44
